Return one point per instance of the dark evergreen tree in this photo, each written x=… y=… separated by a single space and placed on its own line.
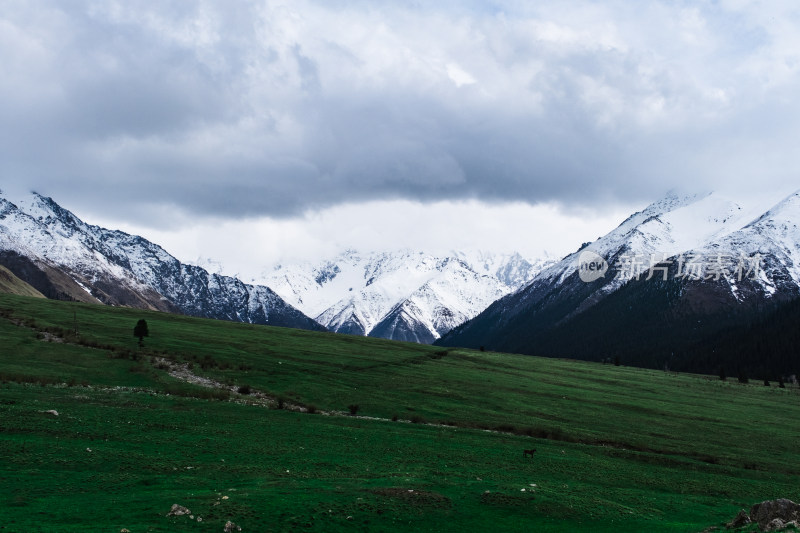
x=141 y=331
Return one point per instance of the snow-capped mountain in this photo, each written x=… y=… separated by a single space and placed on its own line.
x=401 y=295
x=774 y=237
x=672 y=265
x=63 y=257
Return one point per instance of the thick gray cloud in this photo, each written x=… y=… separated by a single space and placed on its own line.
x=277 y=107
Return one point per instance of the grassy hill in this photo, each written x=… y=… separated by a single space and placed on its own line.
x=11 y=284
x=436 y=444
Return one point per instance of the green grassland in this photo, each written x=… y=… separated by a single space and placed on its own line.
x=618 y=449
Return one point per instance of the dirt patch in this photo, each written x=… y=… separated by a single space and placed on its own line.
x=46 y=336
x=182 y=372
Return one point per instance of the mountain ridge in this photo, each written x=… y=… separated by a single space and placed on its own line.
x=401 y=294
x=75 y=260
x=648 y=297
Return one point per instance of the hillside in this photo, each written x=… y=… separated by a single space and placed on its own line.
x=65 y=258
x=11 y=284
x=616 y=448
x=678 y=273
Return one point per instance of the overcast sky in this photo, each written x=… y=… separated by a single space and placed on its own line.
x=252 y=131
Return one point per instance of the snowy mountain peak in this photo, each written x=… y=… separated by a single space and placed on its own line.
x=74 y=260
x=742 y=256
x=774 y=236
x=403 y=294
x=787 y=210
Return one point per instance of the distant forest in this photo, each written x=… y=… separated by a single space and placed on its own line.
x=755 y=342
x=653 y=324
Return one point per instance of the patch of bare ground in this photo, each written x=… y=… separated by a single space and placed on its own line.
x=182 y=372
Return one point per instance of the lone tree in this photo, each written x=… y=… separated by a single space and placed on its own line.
x=140 y=330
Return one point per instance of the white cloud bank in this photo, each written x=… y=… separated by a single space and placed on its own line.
x=167 y=114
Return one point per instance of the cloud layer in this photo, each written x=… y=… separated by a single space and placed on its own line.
x=276 y=108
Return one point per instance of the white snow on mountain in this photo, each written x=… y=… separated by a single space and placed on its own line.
x=666 y=228
x=36 y=227
x=778 y=227
x=422 y=293
x=774 y=238
x=747 y=255
x=404 y=295
x=699 y=225
x=122 y=269
x=212 y=266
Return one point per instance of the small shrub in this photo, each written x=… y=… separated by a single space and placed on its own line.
x=244 y=389
x=353 y=408
x=394 y=418
x=311 y=408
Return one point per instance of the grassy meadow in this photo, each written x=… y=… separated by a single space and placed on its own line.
x=436 y=444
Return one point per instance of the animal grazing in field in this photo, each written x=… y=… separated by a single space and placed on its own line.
x=527 y=453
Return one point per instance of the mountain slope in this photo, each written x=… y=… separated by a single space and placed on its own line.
x=11 y=284
x=697 y=246
x=45 y=277
x=42 y=242
x=401 y=295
